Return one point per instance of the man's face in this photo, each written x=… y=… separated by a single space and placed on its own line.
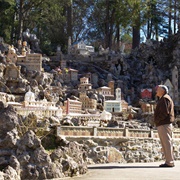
x=160 y=91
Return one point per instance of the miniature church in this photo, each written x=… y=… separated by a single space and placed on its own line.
x=40 y=108
x=114 y=105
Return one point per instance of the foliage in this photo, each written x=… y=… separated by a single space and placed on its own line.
x=126 y=38
x=7 y=10
x=94 y=21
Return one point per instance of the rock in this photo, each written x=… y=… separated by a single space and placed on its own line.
x=11 y=173
x=9 y=119
x=91 y=143
x=1 y=175
x=14 y=163
x=113 y=155
x=29 y=141
x=56 y=155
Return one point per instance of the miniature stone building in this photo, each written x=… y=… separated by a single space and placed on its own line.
x=87 y=103
x=106 y=92
x=73 y=74
x=72 y=107
x=40 y=108
x=114 y=105
x=146 y=93
x=31 y=61
x=81 y=48
x=84 y=84
x=69 y=74
x=147 y=107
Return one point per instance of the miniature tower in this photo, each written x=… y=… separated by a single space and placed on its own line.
x=23 y=51
x=19 y=46
x=111 y=85
x=118 y=94
x=175 y=84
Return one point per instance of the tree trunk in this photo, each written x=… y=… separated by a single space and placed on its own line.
x=170 y=18
x=69 y=20
x=175 y=15
x=149 y=29
x=136 y=37
x=118 y=36
x=156 y=31
x=107 y=25
x=13 y=36
x=136 y=30
x=20 y=29
x=111 y=28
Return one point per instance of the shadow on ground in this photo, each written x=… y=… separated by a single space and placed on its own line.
x=121 y=167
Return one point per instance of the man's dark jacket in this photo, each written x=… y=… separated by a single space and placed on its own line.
x=164 y=112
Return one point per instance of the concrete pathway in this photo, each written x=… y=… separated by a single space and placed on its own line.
x=130 y=171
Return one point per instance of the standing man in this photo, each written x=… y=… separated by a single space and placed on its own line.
x=163 y=118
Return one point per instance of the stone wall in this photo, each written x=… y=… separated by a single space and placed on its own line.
x=105 y=145
x=123 y=149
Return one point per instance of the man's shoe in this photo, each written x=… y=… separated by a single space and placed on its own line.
x=166 y=165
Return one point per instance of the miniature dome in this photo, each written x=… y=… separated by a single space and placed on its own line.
x=44 y=100
x=105 y=115
x=29 y=96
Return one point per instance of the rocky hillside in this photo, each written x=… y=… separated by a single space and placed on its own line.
x=22 y=155
x=145 y=67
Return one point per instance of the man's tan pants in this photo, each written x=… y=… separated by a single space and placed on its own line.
x=165 y=135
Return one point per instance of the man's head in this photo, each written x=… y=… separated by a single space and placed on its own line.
x=161 y=90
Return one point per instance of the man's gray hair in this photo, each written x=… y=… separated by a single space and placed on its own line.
x=165 y=88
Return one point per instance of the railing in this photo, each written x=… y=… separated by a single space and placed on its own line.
x=109 y=132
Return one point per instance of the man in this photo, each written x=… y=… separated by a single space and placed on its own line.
x=163 y=118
